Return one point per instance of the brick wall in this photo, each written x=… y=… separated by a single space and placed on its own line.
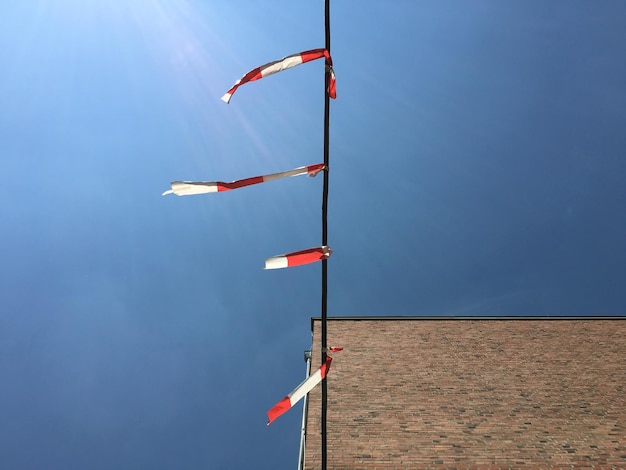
x=413 y=393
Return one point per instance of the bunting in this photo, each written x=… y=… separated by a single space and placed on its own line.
x=297 y=258
x=185 y=188
x=284 y=64
x=300 y=391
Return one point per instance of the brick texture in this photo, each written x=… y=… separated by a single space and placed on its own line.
x=411 y=394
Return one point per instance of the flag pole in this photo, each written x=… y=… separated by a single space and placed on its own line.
x=325 y=229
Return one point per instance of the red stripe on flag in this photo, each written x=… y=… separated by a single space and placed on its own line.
x=278 y=409
x=313 y=170
x=313 y=54
x=305 y=256
x=239 y=183
x=252 y=75
x=332 y=85
x=326 y=367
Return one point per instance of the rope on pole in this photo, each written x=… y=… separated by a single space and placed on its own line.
x=327 y=77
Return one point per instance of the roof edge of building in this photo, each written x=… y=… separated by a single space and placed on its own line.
x=467 y=317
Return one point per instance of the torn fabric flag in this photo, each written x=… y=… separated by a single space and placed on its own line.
x=284 y=64
x=298 y=258
x=300 y=391
x=185 y=188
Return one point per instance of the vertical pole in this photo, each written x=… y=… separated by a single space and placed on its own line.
x=325 y=229
x=305 y=412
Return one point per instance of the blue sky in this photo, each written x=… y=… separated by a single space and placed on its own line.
x=477 y=168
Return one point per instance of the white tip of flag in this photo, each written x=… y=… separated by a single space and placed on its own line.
x=186 y=188
x=226 y=98
x=169 y=191
x=276 y=262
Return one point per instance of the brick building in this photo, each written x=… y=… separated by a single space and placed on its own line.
x=414 y=392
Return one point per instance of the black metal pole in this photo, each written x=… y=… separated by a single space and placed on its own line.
x=325 y=228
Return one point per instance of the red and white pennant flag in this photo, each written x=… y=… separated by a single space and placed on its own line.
x=284 y=64
x=185 y=188
x=300 y=391
x=298 y=258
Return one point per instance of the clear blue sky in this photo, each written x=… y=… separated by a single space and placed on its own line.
x=477 y=168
